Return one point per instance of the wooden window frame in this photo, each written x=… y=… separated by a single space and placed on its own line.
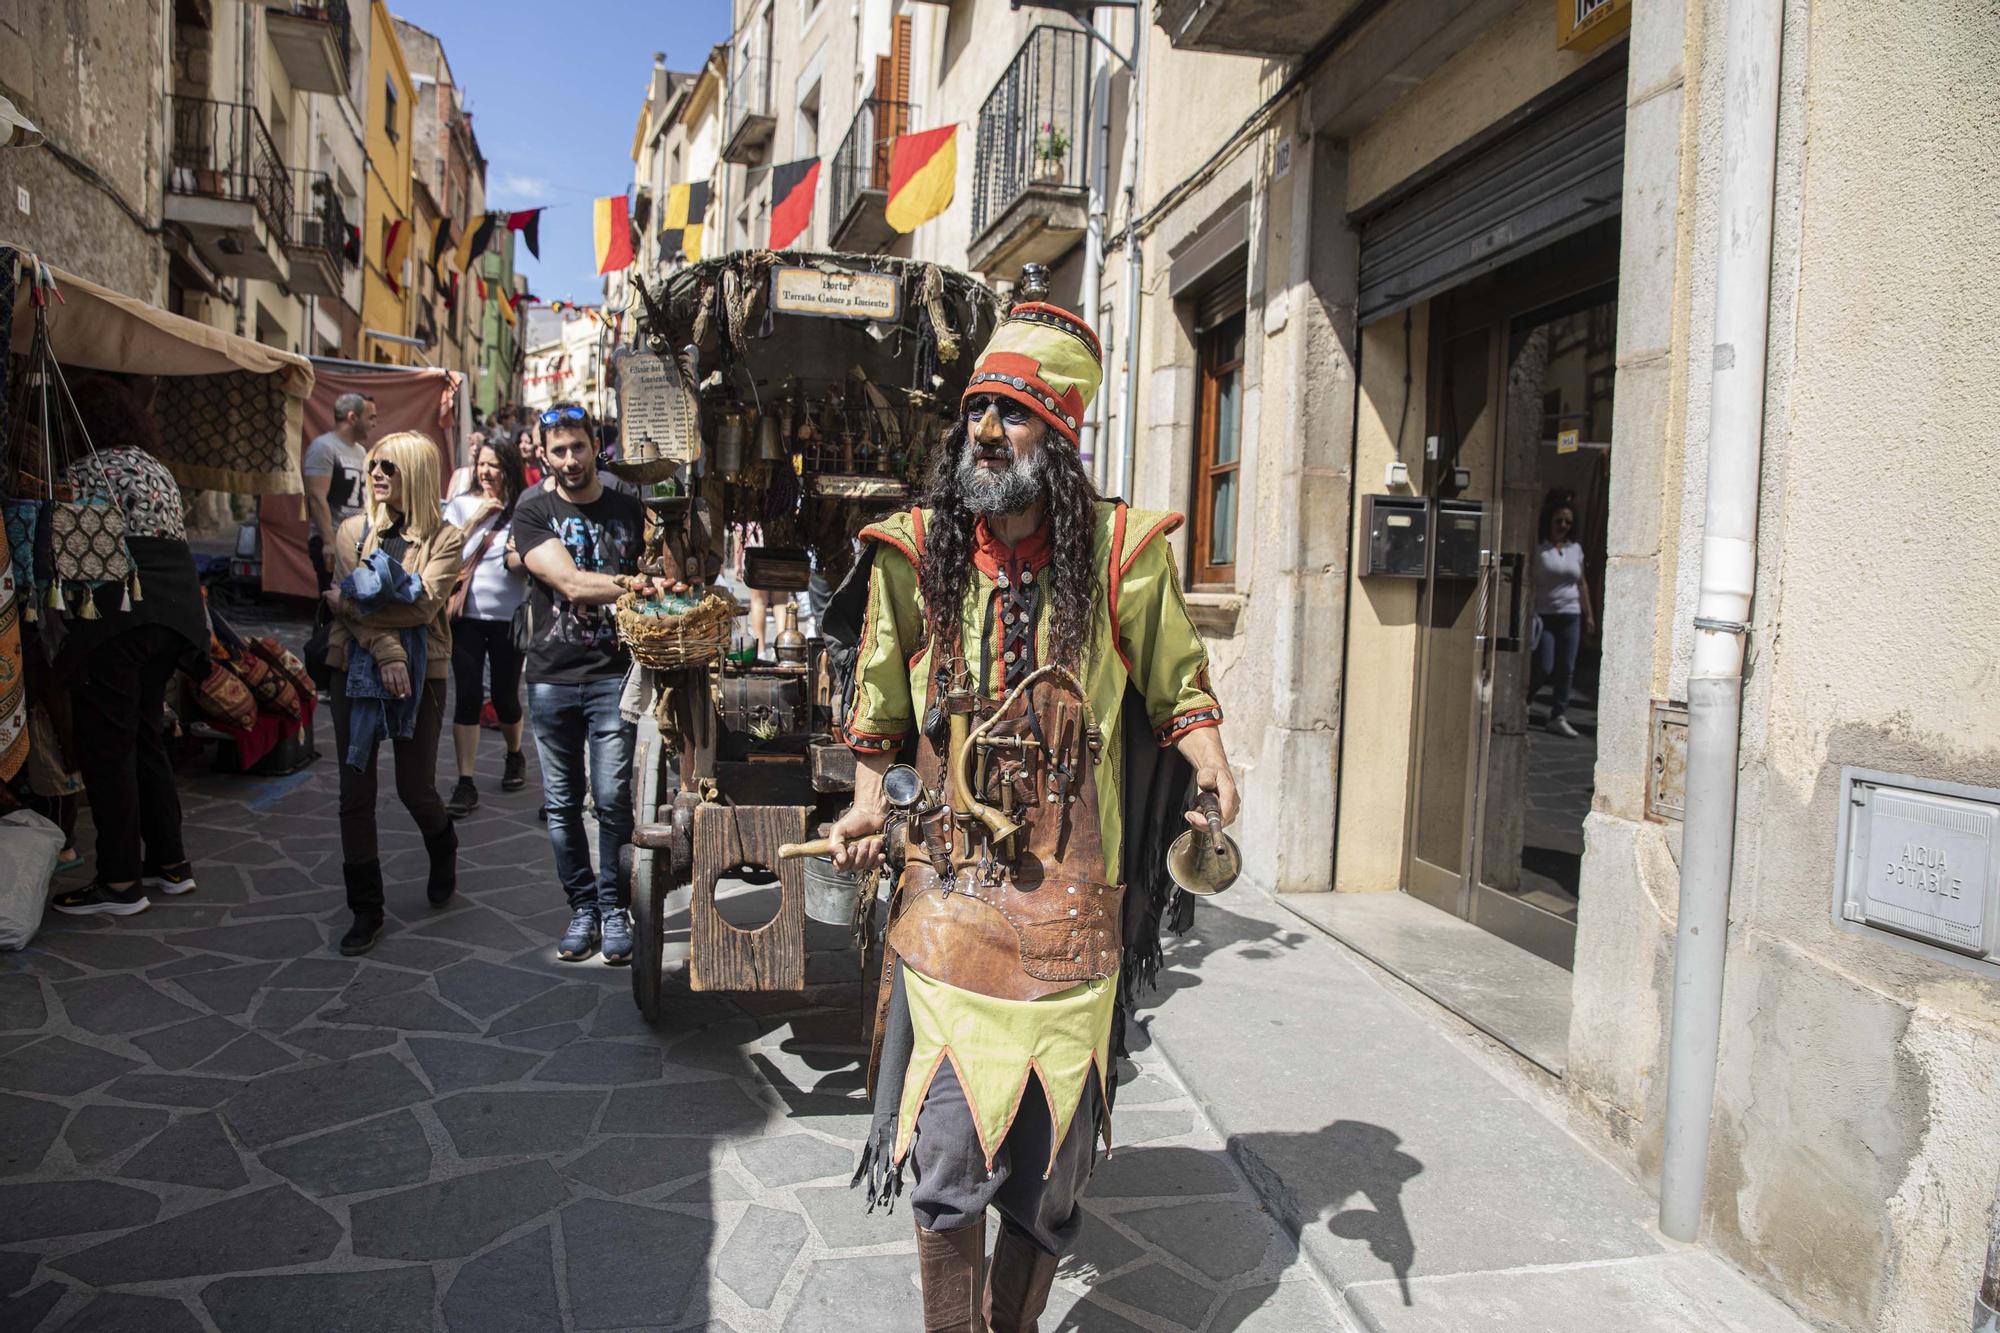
x=1212 y=370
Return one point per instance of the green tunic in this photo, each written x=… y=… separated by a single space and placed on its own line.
x=1141 y=636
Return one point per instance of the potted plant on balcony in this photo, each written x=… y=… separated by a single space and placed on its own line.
x=1051 y=148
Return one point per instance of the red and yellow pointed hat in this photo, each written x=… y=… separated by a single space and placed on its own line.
x=1045 y=358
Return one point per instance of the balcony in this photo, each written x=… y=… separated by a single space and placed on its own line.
x=313 y=38
x=227 y=185
x=1278 y=28
x=1031 y=169
x=861 y=176
x=316 y=252
x=747 y=120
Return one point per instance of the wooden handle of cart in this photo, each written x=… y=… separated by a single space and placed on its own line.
x=792 y=851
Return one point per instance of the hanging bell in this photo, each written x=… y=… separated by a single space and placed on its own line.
x=770 y=443
x=730 y=444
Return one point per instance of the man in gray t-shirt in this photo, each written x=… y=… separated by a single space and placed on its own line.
x=335 y=468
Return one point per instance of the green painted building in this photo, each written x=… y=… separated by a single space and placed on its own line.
x=499 y=373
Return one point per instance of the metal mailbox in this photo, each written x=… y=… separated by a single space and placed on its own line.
x=1460 y=539
x=1919 y=861
x=1399 y=536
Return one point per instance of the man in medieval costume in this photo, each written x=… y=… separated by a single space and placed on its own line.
x=1025 y=645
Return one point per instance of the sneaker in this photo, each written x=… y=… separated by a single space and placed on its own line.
x=515 y=775
x=580 y=940
x=1561 y=727
x=170 y=880
x=617 y=937
x=94 y=899
x=464 y=799
x=361 y=936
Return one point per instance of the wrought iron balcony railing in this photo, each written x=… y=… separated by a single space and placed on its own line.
x=862 y=162
x=1034 y=129
x=321 y=222
x=334 y=12
x=221 y=150
x=747 y=119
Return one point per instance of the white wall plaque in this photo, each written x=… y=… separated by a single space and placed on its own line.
x=1921 y=860
x=843 y=295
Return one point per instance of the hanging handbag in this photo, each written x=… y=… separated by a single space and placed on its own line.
x=462 y=589
x=79 y=539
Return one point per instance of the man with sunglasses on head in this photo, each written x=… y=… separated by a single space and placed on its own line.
x=582 y=540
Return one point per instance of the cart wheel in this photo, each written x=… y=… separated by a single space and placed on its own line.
x=649 y=886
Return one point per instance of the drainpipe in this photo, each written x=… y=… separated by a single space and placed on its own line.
x=1986 y=1305
x=1135 y=132
x=1752 y=43
x=1093 y=237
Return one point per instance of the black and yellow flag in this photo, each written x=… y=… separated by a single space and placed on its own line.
x=681 y=224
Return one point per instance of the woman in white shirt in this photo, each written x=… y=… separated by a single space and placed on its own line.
x=482 y=636
x=1562 y=603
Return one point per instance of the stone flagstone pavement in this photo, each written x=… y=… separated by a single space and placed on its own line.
x=209 y=1120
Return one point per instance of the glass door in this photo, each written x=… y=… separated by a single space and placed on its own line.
x=1538 y=700
x=1452 y=612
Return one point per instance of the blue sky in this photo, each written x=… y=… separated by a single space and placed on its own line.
x=555 y=88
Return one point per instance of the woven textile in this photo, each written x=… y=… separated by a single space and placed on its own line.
x=229 y=432
x=13 y=688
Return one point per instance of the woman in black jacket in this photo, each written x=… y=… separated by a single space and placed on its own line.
x=119 y=663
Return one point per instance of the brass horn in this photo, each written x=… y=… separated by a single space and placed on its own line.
x=1205 y=863
x=964 y=742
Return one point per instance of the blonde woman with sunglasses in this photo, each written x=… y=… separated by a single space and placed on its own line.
x=403 y=520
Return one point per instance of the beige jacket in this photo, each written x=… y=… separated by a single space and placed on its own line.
x=436 y=562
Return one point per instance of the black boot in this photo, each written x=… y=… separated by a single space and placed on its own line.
x=443 y=848
x=364 y=899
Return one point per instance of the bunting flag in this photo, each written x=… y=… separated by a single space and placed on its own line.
x=480 y=283
x=451 y=295
x=923 y=172
x=395 y=249
x=681 y=224
x=528 y=222
x=476 y=240
x=512 y=306
x=612 y=225
x=440 y=242
x=792 y=188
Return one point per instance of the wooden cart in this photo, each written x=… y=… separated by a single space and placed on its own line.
x=822 y=382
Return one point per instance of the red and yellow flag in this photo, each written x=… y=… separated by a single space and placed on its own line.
x=395 y=249
x=923 y=172
x=614 y=234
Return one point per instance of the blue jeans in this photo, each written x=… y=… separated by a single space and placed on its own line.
x=1555 y=658
x=580 y=737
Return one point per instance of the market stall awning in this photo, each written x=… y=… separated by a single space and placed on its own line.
x=228 y=409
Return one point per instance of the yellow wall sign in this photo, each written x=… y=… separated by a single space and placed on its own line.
x=1566 y=441
x=1585 y=25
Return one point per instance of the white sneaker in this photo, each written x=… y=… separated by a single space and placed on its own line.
x=171 y=880
x=1561 y=727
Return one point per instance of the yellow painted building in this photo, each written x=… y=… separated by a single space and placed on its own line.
x=386 y=300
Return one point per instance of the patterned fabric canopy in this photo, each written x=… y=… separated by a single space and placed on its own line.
x=228 y=408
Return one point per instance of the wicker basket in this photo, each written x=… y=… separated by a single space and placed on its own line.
x=671 y=643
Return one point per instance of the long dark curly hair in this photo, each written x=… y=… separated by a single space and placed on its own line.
x=1069 y=499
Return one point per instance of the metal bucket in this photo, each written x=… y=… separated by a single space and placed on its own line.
x=831 y=894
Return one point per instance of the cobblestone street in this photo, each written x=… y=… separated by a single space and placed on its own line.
x=212 y=1121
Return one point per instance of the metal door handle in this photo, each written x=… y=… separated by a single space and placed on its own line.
x=1515 y=563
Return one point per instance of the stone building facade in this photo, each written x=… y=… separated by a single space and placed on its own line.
x=1415 y=281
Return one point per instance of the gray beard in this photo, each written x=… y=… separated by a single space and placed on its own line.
x=1009 y=492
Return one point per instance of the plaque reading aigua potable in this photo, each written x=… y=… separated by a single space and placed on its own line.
x=1922 y=860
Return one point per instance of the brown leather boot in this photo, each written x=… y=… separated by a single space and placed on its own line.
x=952 y=1264
x=1017 y=1286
